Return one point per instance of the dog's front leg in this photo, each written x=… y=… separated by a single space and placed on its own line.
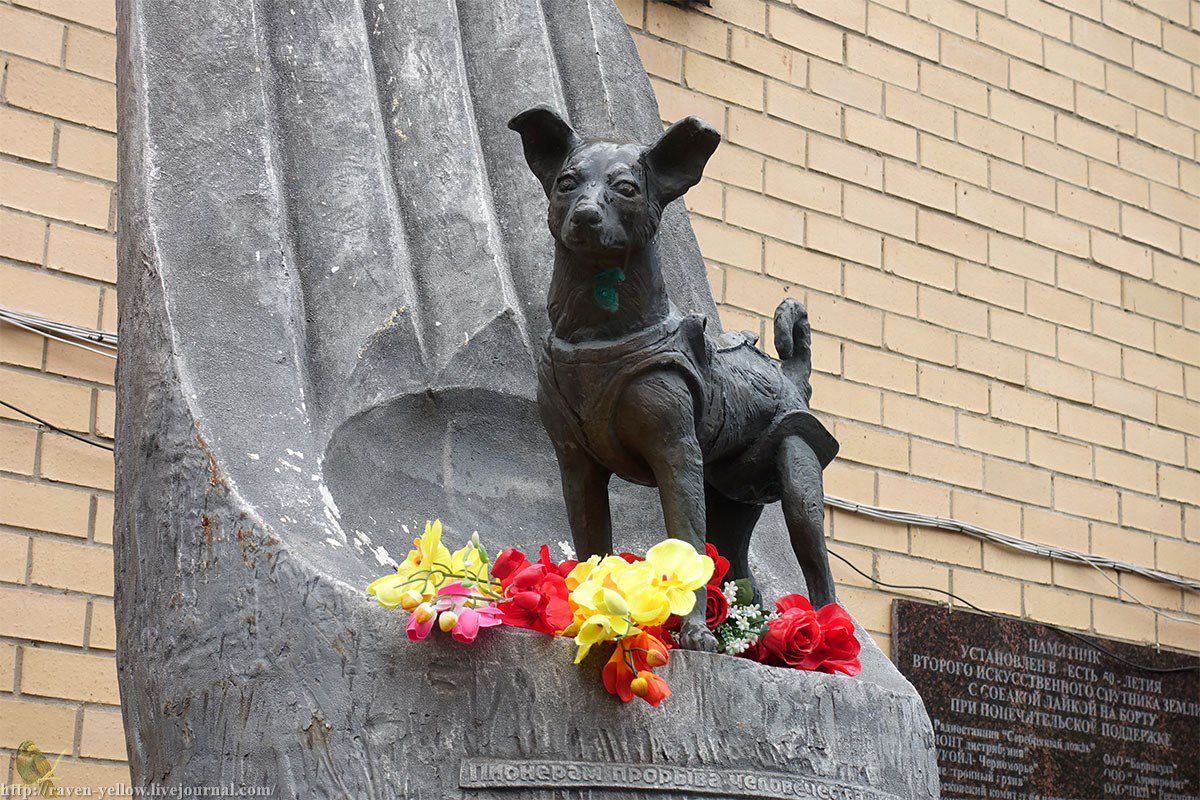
x=585 y=489
x=656 y=418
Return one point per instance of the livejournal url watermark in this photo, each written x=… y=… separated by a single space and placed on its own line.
x=153 y=790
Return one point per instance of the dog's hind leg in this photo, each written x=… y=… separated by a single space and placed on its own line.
x=803 y=498
x=729 y=525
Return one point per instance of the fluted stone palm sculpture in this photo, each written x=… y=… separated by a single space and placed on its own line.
x=333 y=278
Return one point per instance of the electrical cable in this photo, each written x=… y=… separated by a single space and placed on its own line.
x=1052 y=628
x=48 y=335
x=49 y=329
x=1011 y=542
x=93 y=335
x=55 y=428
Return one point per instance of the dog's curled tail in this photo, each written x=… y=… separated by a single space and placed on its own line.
x=793 y=341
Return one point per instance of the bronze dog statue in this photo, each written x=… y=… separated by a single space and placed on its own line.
x=627 y=386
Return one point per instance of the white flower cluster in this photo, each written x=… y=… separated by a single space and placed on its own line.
x=744 y=626
x=567 y=550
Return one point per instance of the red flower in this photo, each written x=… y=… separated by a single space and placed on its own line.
x=650 y=688
x=507 y=565
x=630 y=557
x=662 y=635
x=617 y=674
x=562 y=568
x=756 y=652
x=717 y=608
x=633 y=657
x=720 y=565
x=792 y=637
x=537 y=600
x=838 y=650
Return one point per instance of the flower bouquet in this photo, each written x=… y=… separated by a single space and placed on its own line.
x=633 y=602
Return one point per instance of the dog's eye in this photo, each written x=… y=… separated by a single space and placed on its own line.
x=567 y=183
x=626 y=188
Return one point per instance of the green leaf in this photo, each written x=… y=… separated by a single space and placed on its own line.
x=745 y=592
x=483 y=554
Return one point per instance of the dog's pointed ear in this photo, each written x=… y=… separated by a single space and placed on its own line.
x=676 y=161
x=548 y=140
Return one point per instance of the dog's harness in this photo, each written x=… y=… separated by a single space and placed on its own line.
x=743 y=404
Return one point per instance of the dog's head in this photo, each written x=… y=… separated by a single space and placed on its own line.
x=607 y=198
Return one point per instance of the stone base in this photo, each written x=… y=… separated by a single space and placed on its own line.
x=511 y=716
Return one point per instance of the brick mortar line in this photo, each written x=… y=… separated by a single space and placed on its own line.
x=35 y=534
x=52 y=166
x=1024 y=580
x=76 y=759
x=990 y=190
x=1094 y=483
x=1089 y=261
x=1124 y=276
x=31 y=480
x=1177 y=505
x=979 y=11
x=44 y=117
x=1057 y=110
x=1181 y=328
x=727 y=60
x=1156 y=536
x=909 y=436
x=66 y=537
x=55 y=169
x=63 y=69
x=24 y=644
x=55 y=591
x=27 y=424
x=49 y=15
x=921 y=59
x=925 y=168
x=70 y=379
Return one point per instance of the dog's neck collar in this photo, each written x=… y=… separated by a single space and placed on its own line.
x=595 y=349
x=605 y=299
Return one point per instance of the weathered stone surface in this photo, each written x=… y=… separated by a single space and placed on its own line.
x=332 y=279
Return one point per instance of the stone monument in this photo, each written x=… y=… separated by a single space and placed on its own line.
x=333 y=277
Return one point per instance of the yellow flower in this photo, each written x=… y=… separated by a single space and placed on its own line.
x=678 y=572
x=594 y=569
x=468 y=565
x=600 y=628
x=423 y=570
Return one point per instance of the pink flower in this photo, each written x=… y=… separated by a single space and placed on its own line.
x=458 y=611
x=470 y=620
x=420 y=622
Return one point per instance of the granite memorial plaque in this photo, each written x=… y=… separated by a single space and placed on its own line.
x=1020 y=711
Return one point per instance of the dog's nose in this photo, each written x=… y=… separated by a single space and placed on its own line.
x=586 y=215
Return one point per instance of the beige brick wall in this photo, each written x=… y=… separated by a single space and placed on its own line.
x=57 y=258
x=991 y=209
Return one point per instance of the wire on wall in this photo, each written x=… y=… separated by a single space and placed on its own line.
x=55 y=428
x=1053 y=628
x=105 y=344
x=1011 y=542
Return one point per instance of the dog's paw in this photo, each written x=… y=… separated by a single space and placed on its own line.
x=695 y=635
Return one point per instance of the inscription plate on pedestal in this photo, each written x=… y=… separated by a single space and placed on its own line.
x=486 y=773
x=1022 y=712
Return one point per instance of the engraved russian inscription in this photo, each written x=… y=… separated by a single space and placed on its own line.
x=489 y=773
x=1020 y=711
